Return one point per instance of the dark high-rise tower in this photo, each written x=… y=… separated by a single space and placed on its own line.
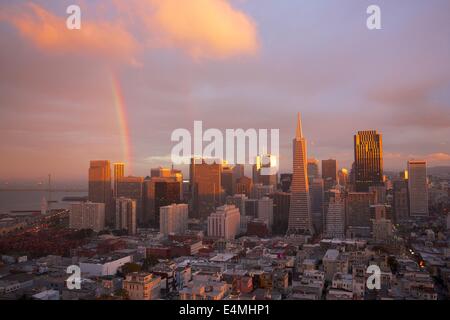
x=206 y=187
x=368 y=160
x=119 y=173
x=329 y=173
x=300 y=220
x=100 y=186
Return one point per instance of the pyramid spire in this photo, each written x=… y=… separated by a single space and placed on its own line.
x=299 y=131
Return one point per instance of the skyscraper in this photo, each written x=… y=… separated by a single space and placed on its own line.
x=126 y=215
x=238 y=200
x=316 y=193
x=343 y=177
x=368 y=160
x=173 y=219
x=166 y=193
x=329 y=173
x=335 y=216
x=133 y=188
x=358 y=214
x=228 y=180
x=418 y=188
x=300 y=220
x=163 y=188
x=313 y=169
x=244 y=185
x=100 y=186
x=400 y=201
x=266 y=178
x=87 y=215
x=281 y=204
x=119 y=173
x=206 y=187
x=286 y=181
x=265 y=211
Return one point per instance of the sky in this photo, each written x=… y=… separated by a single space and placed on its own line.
x=139 y=69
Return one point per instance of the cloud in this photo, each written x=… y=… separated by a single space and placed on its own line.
x=414 y=103
x=201 y=28
x=204 y=28
x=439 y=157
x=48 y=32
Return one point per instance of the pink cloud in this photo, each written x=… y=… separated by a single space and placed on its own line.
x=48 y=32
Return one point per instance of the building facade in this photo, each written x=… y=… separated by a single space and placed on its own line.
x=300 y=220
x=224 y=222
x=418 y=188
x=368 y=146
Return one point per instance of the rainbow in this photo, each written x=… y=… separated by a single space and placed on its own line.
x=122 y=120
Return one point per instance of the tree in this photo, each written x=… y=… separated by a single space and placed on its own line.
x=149 y=262
x=130 y=268
x=393 y=264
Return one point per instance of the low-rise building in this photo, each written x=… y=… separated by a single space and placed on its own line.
x=142 y=286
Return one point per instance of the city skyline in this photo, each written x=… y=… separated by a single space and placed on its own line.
x=77 y=100
x=247 y=152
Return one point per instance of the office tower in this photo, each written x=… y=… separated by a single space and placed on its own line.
x=316 y=192
x=281 y=204
x=173 y=219
x=404 y=175
x=335 y=215
x=177 y=175
x=244 y=185
x=133 y=188
x=263 y=170
x=119 y=173
x=260 y=190
x=400 y=201
x=368 y=160
x=160 y=191
x=265 y=211
x=160 y=172
x=238 y=200
x=87 y=215
x=380 y=211
x=165 y=187
x=285 y=182
x=227 y=180
x=166 y=193
x=126 y=217
x=380 y=192
x=343 y=177
x=300 y=220
x=418 y=188
x=238 y=171
x=224 y=223
x=206 y=187
x=251 y=208
x=329 y=173
x=168 y=173
x=358 y=213
x=313 y=169
x=100 y=187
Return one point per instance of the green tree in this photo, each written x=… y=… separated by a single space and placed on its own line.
x=149 y=262
x=130 y=268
